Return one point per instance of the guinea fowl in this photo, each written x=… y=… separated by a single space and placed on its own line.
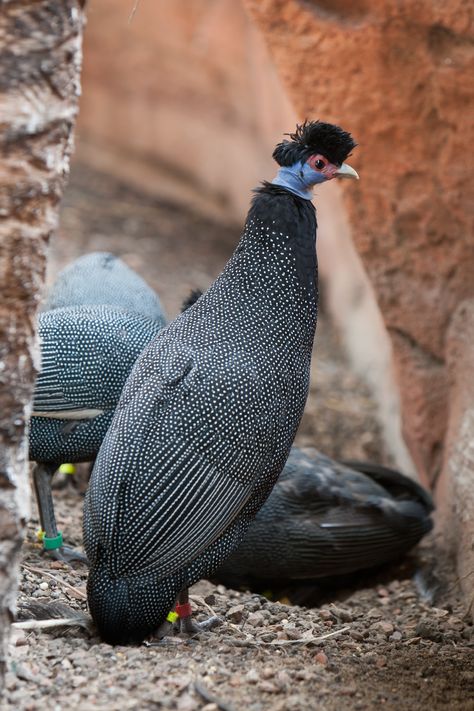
x=102 y=278
x=87 y=353
x=325 y=519
x=208 y=415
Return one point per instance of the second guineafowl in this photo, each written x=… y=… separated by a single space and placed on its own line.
x=326 y=519
x=102 y=278
x=101 y=316
x=207 y=418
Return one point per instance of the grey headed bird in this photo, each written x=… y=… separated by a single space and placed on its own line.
x=102 y=278
x=325 y=519
x=89 y=343
x=208 y=415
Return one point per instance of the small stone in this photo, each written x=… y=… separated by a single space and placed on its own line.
x=347 y=690
x=255 y=619
x=385 y=627
x=342 y=614
x=186 y=702
x=252 y=676
x=44 y=586
x=267 y=673
x=321 y=658
x=396 y=636
x=381 y=661
x=269 y=687
x=374 y=613
x=236 y=613
x=210 y=599
x=78 y=680
x=356 y=635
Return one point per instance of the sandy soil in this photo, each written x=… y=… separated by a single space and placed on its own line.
x=398 y=638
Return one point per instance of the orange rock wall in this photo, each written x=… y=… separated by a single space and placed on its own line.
x=186 y=86
x=399 y=76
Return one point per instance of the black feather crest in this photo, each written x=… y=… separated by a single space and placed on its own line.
x=313 y=137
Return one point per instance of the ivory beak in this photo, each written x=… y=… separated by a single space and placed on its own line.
x=345 y=171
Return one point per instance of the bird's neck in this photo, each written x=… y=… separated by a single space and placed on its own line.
x=299 y=179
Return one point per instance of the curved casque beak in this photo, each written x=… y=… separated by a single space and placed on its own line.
x=345 y=171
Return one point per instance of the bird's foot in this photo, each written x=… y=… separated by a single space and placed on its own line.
x=188 y=626
x=66 y=554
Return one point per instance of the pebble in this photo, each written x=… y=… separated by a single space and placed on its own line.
x=396 y=636
x=269 y=687
x=252 y=676
x=255 y=619
x=386 y=627
x=374 y=613
x=342 y=614
x=321 y=658
x=236 y=613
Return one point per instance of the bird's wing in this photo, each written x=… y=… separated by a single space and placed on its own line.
x=86 y=355
x=337 y=495
x=179 y=462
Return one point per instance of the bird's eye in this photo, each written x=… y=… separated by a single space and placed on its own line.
x=319 y=164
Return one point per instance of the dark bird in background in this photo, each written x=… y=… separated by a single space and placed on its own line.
x=325 y=519
x=87 y=353
x=208 y=415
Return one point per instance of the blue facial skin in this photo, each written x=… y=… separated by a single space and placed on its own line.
x=299 y=178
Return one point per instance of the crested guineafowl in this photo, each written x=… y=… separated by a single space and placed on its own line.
x=208 y=415
x=89 y=343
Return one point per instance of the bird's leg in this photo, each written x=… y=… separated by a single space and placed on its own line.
x=186 y=623
x=51 y=537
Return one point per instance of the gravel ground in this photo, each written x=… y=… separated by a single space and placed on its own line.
x=398 y=638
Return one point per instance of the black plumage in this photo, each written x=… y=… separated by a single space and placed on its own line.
x=325 y=519
x=315 y=137
x=89 y=343
x=204 y=425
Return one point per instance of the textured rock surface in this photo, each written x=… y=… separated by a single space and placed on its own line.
x=39 y=86
x=456 y=490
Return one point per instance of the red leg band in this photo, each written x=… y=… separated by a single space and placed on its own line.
x=184 y=610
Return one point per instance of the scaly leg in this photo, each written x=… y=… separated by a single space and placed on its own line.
x=187 y=625
x=53 y=539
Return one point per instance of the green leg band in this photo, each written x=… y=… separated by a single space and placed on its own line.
x=50 y=544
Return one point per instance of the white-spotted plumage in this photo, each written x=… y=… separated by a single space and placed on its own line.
x=205 y=422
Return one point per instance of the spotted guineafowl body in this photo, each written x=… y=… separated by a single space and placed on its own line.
x=327 y=519
x=205 y=424
x=100 y=316
x=87 y=353
x=102 y=278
